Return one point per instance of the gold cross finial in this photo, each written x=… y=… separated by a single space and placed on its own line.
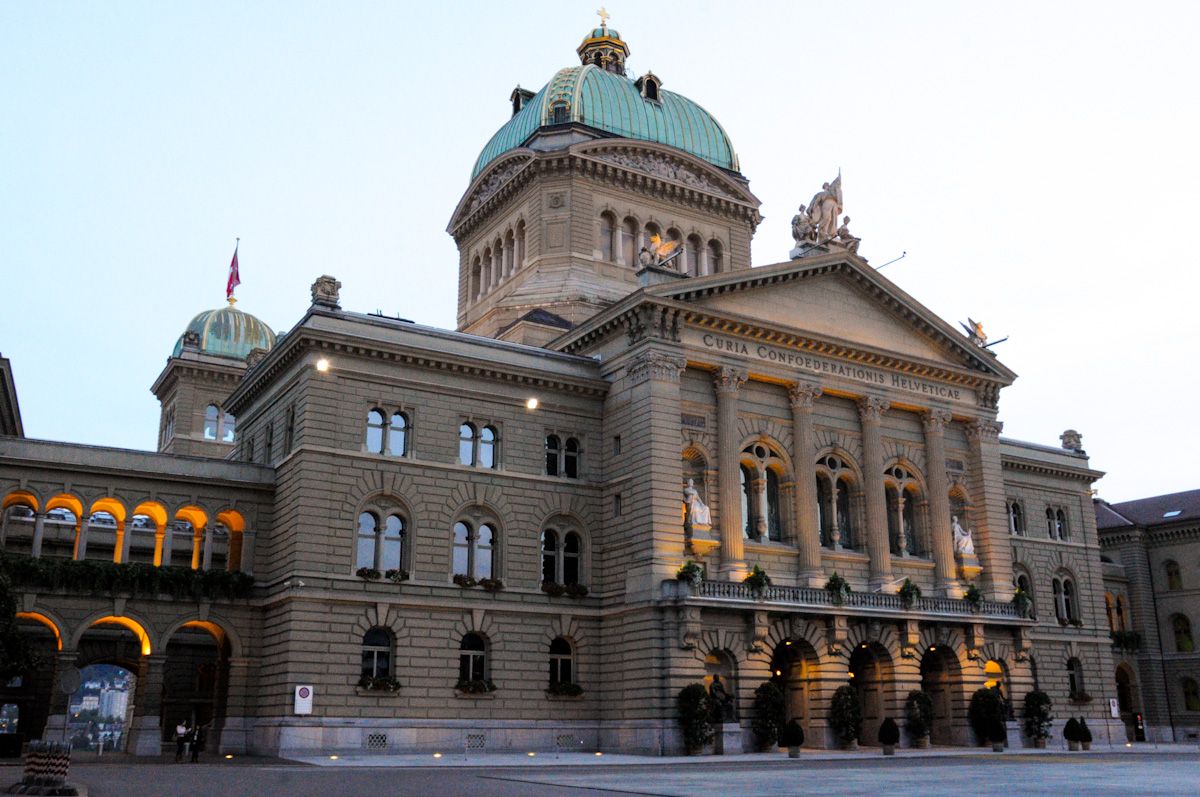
x=604 y=15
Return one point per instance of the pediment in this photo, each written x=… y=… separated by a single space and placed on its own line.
x=838 y=299
x=666 y=164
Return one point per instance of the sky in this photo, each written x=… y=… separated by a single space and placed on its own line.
x=1038 y=163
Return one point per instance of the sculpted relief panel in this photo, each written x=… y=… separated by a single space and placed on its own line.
x=663 y=167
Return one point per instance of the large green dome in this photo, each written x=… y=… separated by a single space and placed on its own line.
x=613 y=103
x=227 y=332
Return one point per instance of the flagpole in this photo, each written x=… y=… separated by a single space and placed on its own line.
x=237 y=241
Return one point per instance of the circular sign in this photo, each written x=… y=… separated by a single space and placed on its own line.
x=69 y=680
x=305 y=692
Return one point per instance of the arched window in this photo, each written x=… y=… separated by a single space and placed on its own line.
x=269 y=453
x=629 y=236
x=553 y=453
x=1174 y=576
x=762 y=515
x=398 y=435
x=649 y=231
x=571 y=455
x=901 y=493
x=289 y=430
x=562 y=662
x=745 y=477
x=466 y=444
x=691 y=256
x=1060 y=524
x=774 y=524
x=212 y=419
x=1025 y=584
x=228 y=426
x=472 y=659
x=474 y=550
x=1191 y=694
x=392 y=543
x=823 y=503
x=475 y=290
x=1051 y=524
x=1110 y=611
x=608 y=226
x=1075 y=677
x=1016 y=519
x=1183 y=634
x=375 y=432
x=377 y=653
x=1065 y=608
x=488 y=445
x=572 y=551
x=834 y=481
x=549 y=556
x=1122 y=624
x=715 y=266
x=368 y=528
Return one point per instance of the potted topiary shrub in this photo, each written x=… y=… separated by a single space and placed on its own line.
x=1038 y=718
x=997 y=734
x=918 y=717
x=792 y=737
x=1022 y=602
x=1085 y=734
x=690 y=573
x=838 y=589
x=889 y=736
x=758 y=580
x=695 y=717
x=974 y=597
x=986 y=704
x=845 y=716
x=1071 y=734
x=769 y=712
x=909 y=593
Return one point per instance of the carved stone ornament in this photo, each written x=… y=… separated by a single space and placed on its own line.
x=1072 y=441
x=656 y=365
x=255 y=357
x=657 y=165
x=873 y=408
x=728 y=380
x=191 y=339
x=325 y=292
x=982 y=429
x=802 y=394
x=935 y=420
x=495 y=182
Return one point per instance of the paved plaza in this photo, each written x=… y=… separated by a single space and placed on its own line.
x=1117 y=772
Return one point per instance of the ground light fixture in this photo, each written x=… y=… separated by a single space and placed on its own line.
x=228 y=755
x=531 y=754
x=598 y=754
x=437 y=755
x=333 y=758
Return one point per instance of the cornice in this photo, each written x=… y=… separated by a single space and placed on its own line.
x=1045 y=468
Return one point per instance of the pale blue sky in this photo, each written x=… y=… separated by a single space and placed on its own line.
x=1037 y=161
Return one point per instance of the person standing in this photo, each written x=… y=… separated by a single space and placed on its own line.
x=198 y=743
x=181 y=731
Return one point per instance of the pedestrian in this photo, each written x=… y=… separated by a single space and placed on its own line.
x=198 y=743
x=181 y=731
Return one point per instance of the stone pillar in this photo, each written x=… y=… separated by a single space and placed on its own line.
x=233 y=558
x=4 y=526
x=758 y=497
x=206 y=556
x=56 y=721
x=197 y=547
x=990 y=534
x=233 y=733
x=160 y=536
x=871 y=410
x=145 y=738
x=941 y=538
x=808 y=535
x=39 y=532
x=124 y=538
x=167 y=544
x=247 y=562
x=497 y=264
x=726 y=382
x=81 y=538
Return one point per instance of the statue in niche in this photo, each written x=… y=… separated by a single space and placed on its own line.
x=963 y=544
x=697 y=512
x=803 y=230
x=824 y=209
x=845 y=238
x=722 y=701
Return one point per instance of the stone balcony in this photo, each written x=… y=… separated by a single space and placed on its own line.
x=867 y=604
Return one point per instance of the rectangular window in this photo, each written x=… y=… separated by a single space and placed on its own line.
x=617 y=505
x=616 y=444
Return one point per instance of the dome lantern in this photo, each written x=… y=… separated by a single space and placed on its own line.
x=603 y=47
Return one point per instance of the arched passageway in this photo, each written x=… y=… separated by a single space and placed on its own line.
x=100 y=711
x=1127 y=701
x=941 y=679
x=794 y=668
x=871 y=676
x=194 y=680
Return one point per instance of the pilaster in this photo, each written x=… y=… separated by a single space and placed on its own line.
x=941 y=535
x=726 y=382
x=991 y=537
x=871 y=410
x=808 y=535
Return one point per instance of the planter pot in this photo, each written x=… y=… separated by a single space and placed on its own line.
x=1040 y=743
x=850 y=745
x=889 y=749
x=1073 y=746
x=1086 y=745
x=921 y=742
x=997 y=747
x=794 y=752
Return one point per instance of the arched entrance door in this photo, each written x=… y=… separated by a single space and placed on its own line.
x=195 y=678
x=794 y=668
x=870 y=673
x=1127 y=701
x=940 y=680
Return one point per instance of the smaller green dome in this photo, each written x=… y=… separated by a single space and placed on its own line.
x=599 y=33
x=227 y=332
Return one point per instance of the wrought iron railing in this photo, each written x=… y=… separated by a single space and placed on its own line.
x=812 y=596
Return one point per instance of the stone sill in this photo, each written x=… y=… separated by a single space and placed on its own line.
x=474 y=695
x=358 y=690
x=565 y=698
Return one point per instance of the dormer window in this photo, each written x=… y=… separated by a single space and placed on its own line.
x=560 y=115
x=649 y=85
x=520 y=98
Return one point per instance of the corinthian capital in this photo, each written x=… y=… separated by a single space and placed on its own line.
x=935 y=420
x=728 y=380
x=982 y=429
x=656 y=365
x=802 y=394
x=872 y=408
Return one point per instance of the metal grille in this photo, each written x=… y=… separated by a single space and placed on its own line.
x=476 y=741
x=377 y=741
x=566 y=742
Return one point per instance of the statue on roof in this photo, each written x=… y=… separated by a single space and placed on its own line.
x=845 y=238
x=824 y=209
x=803 y=231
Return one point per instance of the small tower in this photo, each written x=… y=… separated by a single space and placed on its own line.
x=603 y=47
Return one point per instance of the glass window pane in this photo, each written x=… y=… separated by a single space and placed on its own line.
x=552 y=453
x=368 y=663
x=483 y=552
x=549 y=554
x=211 y=416
x=375 y=439
x=398 y=436
x=228 y=424
x=461 y=558
x=487 y=447
x=466 y=444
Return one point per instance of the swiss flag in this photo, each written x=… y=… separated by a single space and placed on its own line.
x=234 y=279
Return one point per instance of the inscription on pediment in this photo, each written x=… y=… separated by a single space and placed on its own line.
x=666 y=168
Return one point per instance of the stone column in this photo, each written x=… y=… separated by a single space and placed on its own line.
x=167 y=544
x=808 y=535
x=124 y=539
x=233 y=735
x=497 y=264
x=871 y=410
x=726 y=382
x=145 y=737
x=758 y=497
x=160 y=536
x=56 y=721
x=39 y=532
x=197 y=547
x=247 y=561
x=941 y=538
x=81 y=538
x=993 y=546
x=206 y=556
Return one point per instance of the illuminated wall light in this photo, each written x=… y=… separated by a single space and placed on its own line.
x=322 y=365
x=531 y=403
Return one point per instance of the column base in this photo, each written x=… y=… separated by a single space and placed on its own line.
x=811 y=578
x=728 y=739
x=234 y=735
x=880 y=582
x=733 y=571
x=146 y=737
x=951 y=589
